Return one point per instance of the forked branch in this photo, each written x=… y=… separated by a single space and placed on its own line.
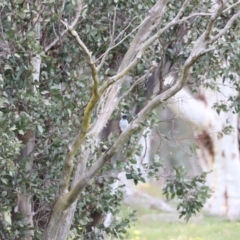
x=72 y=149
x=73 y=24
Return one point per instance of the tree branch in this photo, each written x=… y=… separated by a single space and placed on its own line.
x=144 y=31
x=72 y=150
x=79 y=10
x=117 y=44
x=104 y=56
x=213 y=19
x=139 y=80
x=123 y=73
x=141 y=117
x=182 y=9
x=225 y=29
x=199 y=49
x=152 y=39
x=89 y=58
x=232 y=6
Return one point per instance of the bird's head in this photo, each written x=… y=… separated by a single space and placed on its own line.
x=124 y=116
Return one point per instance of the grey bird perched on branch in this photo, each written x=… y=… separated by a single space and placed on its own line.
x=123 y=123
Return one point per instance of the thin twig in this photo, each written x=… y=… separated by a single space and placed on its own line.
x=232 y=6
x=225 y=29
x=213 y=19
x=182 y=9
x=138 y=81
x=145 y=45
x=104 y=55
x=89 y=57
x=55 y=41
x=111 y=41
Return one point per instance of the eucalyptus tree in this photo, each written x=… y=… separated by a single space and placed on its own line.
x=63 y=67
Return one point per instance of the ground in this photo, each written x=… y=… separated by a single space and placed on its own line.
x=203 y=228
x=155 y=225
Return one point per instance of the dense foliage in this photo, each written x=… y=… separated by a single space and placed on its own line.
x=51 y=108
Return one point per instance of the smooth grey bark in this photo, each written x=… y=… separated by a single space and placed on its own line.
x=67 y=222
x=60 y=225
x=24 y=206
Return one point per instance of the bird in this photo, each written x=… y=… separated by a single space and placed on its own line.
x=123 y=123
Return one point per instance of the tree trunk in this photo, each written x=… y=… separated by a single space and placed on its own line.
x=24 y=206
x=58 y=219
x=66 y=220
x=219 y=152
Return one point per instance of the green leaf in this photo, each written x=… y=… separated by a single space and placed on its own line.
x=40 y=129
x=31 y=34
x=21 y=132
